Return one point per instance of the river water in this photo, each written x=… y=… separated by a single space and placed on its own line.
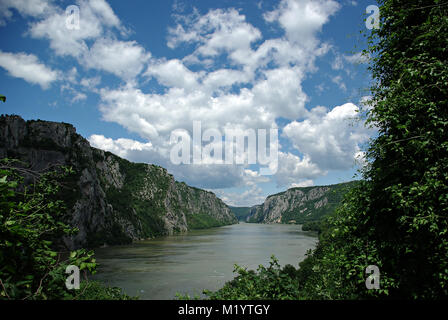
x=200 y=259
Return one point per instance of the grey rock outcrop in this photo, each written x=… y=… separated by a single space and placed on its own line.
x=110 y=200
x=297 y=205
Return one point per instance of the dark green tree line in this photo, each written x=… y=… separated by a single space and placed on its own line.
x=397 y=217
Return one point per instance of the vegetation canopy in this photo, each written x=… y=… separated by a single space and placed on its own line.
x=396 y=218
x=32 y=259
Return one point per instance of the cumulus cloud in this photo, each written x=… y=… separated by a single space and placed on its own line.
x=120 y=147
x=252 y=196
x=304 y=183
x=97 y=21
x=331 y=139
x=173 y=73
x=215 y=32
x=27 y=67
x=302 y=19
x=231 y=77
x=269 y=78
x=124 y=59
x=67 y=42
x=294 y=169
x=33 y=8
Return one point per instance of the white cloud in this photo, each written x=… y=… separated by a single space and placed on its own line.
x=215 y=32
x=281 y=93
x=173 y=73
x=331 y=139
x=304 y=183
x=293 y=169
x=34 y=8
x=340 y=83
x=90 y=82
x=28 y=67
x=269 y=76
x=79 y=96
x=103 y=11
x=125 y=59
x=151 y=115
x=252 y=196
x=120 y=147
x=337 y=63
x=63 y=41
x=357 y=58
x=97 y=21
x=253 y=83
x=302 y=19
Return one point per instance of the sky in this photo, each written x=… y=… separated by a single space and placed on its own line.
x=129 y=74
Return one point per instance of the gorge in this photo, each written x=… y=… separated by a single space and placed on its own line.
x=142 y=208
x=109 y=199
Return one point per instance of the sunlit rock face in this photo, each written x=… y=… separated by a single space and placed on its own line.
x=109 y=199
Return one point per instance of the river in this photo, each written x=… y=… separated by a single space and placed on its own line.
x=200 y=259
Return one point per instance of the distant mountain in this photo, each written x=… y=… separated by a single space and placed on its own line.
x=299 y=205
x=241 y=212
x=110 y=200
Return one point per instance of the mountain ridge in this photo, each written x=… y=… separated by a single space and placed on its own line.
x=112 y=200
x=299 y=204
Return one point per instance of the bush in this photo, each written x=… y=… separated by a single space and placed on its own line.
x=31 y=263
x=267 y=283
x=94 y=290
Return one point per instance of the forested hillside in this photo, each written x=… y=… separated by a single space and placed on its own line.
x=300 y=205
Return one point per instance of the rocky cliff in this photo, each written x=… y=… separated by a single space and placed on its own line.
x=110 y=200
x=299 y=205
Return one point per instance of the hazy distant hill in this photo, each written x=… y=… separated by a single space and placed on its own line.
x=241 y=212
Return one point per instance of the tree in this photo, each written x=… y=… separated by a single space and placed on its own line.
x=397 y=218
x=31 y=266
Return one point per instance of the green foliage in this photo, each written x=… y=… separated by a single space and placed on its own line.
x=312 y=226
x=31 y=215
x=94 y=290
x=144 y=214
x=2 y=98
x=30 y=222
x=180 y=296
x=241 y=212
x=202 y=221
x=267 y=283
x=397 y=218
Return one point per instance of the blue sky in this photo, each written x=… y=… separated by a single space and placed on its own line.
x=135 y=71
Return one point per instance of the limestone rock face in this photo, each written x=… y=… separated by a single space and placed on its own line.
x=297 y=205
x=110 y=200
